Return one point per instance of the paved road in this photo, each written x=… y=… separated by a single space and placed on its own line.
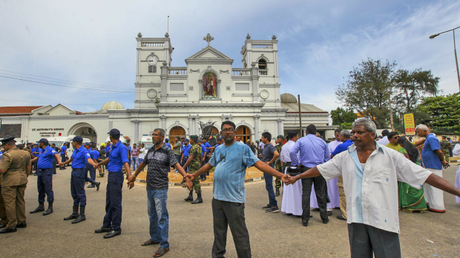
x=191 y=235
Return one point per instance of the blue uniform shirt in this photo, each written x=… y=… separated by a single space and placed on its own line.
x=230 y=164
x=80 y=157
x=186 y=149
x=429 y=157
x=63 y=150
x=117 y=157
x=94 y=154
x=169 y=145
x=45 y=159
x=35 y=150
x=107 y=150
x=342 y=147
x=203 y=147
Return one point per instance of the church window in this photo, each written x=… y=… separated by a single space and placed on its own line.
x=262 y=64
x=152 y=68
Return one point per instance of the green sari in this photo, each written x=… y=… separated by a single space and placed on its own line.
x=410 y=198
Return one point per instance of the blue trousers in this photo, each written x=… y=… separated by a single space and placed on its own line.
x=158 y=216
x=184 y=160
x=113 y=209
x=77 y=186
x=92 y=174
x=45 y=185
x=63 y=159
x=135 y=163
x=269 y=186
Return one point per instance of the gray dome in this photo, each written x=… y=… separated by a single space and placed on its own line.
x=288 y=98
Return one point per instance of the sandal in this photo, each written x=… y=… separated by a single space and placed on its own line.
x=160 y=252
x=149 y=242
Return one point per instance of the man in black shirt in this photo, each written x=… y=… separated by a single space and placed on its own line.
x=269 y=156
x=159 y=159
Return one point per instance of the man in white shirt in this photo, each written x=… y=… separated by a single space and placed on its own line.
x=384 y=141
x=370 y=176
x=292 y=194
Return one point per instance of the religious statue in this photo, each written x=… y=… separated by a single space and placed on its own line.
x=209 y=86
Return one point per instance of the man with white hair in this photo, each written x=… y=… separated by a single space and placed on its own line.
x=370 y=174
x=432 y=159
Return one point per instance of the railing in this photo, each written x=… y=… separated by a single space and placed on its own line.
x=263 y=46
x=263 y=72
x=241 y=72
x=153 y=44
x=178 y=71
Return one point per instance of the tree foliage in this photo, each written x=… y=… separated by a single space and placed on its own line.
x=444 y=113
x=370 y=87
x=343 y=117
x=368 y=90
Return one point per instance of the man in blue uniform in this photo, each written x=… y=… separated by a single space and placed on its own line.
x=63 y=154
x=77 y=180
x=116 y=160
x=206 y=148
x=45 y=176
x=184 y=152
x=35 y=151
x=90 y=168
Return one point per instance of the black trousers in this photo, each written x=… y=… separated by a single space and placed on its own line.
x=230 y=214
x=320 y=190
x=367 y=241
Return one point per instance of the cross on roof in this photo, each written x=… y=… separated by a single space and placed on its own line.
x=208 y=38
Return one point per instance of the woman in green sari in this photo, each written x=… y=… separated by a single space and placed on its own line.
x=410 y=198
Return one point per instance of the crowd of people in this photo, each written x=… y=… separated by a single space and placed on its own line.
x=367 y=177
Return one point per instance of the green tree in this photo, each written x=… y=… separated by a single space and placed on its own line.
x=368 y=90
x=444 y=113
x=410 y=87
x=343 y=117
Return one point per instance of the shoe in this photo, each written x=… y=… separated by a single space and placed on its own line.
x=189 y=198
x=2 y=226
x=8 y=230
x=273 y=209
x=329 y=213
x=21 y=225
x=315 y=209
x=340 y=217
x=49 y=210
x=74 y=214
x=79 y=219
x=277 y=192
x=267 y=207
x=98 y=184
x=112 y=233
x=198 y=199
x=102 y=230
x=305 y=222
x=40 y=208
x=91 y=186
x=325 y=221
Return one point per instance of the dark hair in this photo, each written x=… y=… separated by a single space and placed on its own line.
x=311 y=129
x=116 y=136
x=385 y=133
x=412 y=151
x=227 y=123
x=391 y=135
x=177 y=138
x=337 y=130
x=267 y=135
x=166 y=140
x=292 y=134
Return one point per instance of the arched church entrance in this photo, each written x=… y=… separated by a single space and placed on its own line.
x=176 y=131
x=84 y=130
x=243 y=132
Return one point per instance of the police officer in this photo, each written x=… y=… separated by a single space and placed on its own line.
x=35 y=151
x=63 y=154
x=116 y=160
x=45 y=176
x=194 y=163
x=89 y=168
x=77 y=180
x=15 y=168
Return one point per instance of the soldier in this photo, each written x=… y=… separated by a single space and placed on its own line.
x=77 y=180
x=194 y=160
x=45 y=176
x=445 y=145
x=278 y=167
x=15 y=168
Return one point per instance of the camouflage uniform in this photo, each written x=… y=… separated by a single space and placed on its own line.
x=278 y=166
x=445 y=145
x=194 y=165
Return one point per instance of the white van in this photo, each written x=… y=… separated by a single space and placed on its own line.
x=59 y=141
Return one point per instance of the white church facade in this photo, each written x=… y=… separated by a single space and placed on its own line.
x=207 y=90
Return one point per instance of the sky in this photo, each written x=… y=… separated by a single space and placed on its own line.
x=80 y=46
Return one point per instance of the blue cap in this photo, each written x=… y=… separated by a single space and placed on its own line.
x=77 y=139
x=87 y=144
x=43 y=140
x=114 y=132
x=186 y=140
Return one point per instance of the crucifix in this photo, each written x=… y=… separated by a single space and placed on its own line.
x=208 y=38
